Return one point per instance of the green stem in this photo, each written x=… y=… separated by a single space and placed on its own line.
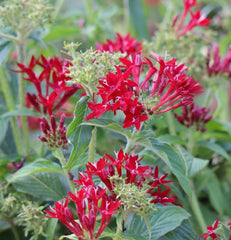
x=9 y=37
x=126 y=15
x=130 y=142
x=196 y=210
x=171 y=127
x=13 y=228
x=58 y=7
x=11 y=106
x=118 y=233
x=92 y=144
x=191 y=139
x=207 y=97
x=90 y=12
x=124 y=218
x=58 y=154
x=21 y=58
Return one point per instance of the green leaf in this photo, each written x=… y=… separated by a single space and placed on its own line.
x=5 y=47
x=171 y=139
x=183 y=232
x=78 y=135
x=187 y=158
x=40 y=165
x=82 y=160
x=192 y=165
x=52 y=222
x=61 y=32
x=3 y=128
x=166 y=219
x=215 y=148
x=138 y=19
x=19 y=112
x=71 y=237
x=83 y=137
x=227 y=125
x=79 y=115
x=46 y=186
x=171 y=158
x=215 y=193
x=197 y=165
x=92 y=145
x=108 y=124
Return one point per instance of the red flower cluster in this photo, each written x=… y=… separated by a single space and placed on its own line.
x=194 y=115
x=90 y=202
x=197 y=19
x=125 y=44
x=166 y=88
x=54 y=134
x=135 y=173
x=211 y=231
x=218 y=65
x=52 y=79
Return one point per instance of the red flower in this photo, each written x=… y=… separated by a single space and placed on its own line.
x=218 y=65
x=161 y=197
x=194 y=115
x=54 y=74
x=211 y=231
x=229 y=225
x=159 y=180
x=64 y=214
x=135 y=114
x=125 y=44
x=196 y=19
x=90 y=201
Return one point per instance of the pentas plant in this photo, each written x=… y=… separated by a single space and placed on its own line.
x=53 y=91
x=140 y=89
x=130 y=187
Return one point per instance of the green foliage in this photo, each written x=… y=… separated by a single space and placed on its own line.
x=79 y=135
x=163 y=221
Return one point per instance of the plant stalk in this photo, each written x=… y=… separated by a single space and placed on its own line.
x=58 y=7
x=11 y=105
x=9 y=37
x=92 y=145
x=126 y=15
x=13 y=228
x=90 y=12
x=171 y=127
x=21 y=58
x=196 y=210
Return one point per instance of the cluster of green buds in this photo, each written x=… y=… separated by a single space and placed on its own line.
x=133 y=198
x=89 y=66
x=8 y=206
x=32 y=218
x=24 y=16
